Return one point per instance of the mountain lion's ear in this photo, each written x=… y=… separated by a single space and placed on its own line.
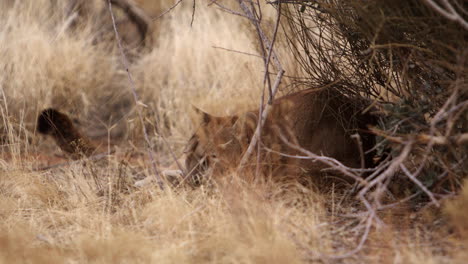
x=202 y=116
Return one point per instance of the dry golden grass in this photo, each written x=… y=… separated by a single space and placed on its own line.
x=90 y=212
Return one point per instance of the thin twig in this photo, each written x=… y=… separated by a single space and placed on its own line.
x=357 y=137
x=193 y=13
x=237 y=51
x=263 y=37
x=420 y=185
x=263 y=118
x=329 y=161
x=318 y=158
x=270 y=51
x=227 y=10
x=361 y=243
x=135 y=97
x=263 y=111
x=169 y=10
x=391 y=170
x=450 y=14
x=423 y=139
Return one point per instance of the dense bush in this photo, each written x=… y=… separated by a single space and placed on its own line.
x=411 y=61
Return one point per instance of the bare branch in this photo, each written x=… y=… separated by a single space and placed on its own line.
x=227 y=10
x=265 y=45
x=357 y=137
x=263 y=118
x=424 y=139
x=270 y=51
x=237 y=51
x=264 y=39
x=450 y=14
x=329 y=161
x=420 y=185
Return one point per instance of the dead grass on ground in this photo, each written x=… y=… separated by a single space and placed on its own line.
x=89 y=211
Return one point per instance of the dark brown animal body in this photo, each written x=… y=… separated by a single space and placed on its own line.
x=66 y=135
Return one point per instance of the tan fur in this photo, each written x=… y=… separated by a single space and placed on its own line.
x=319 y=121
